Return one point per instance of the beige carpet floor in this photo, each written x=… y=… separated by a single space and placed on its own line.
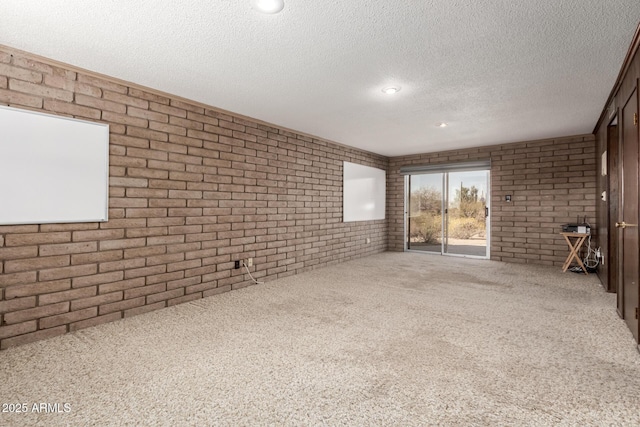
x=395 y=339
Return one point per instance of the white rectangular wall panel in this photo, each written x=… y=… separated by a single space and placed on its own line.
x=364 y=193
x=52 y=169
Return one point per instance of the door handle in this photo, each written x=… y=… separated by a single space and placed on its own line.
x=624 y=225
x=486 y=211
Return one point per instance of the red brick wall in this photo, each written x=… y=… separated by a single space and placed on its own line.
x=551 y=182
x=191 y=190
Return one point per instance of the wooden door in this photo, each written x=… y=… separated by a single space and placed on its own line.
x=629 y=196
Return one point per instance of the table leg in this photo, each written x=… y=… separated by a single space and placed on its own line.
x=574 y=253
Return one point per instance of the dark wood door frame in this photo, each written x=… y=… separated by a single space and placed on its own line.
x=613 y=201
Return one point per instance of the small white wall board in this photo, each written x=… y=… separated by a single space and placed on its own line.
x=364 y=193
x=52 y=169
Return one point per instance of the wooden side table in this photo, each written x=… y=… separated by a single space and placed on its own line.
x=574 y=249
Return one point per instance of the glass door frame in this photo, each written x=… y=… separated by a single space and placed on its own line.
x=445 y=186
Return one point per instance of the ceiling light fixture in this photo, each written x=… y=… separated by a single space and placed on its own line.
x=442 y=125
x=268 y=6
x=391 y=90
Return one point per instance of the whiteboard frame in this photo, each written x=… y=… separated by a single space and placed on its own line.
x=37 y=128
x=363 y=193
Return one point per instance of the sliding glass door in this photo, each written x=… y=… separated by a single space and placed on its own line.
x=465 y=228
x=448 y=212
x=424 y=218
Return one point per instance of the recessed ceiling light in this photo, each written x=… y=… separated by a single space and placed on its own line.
x=268 y=6
x=390 y=90
x=442 y=125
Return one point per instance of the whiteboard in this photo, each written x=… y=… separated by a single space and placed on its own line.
x=52 y=169
x=364 y=193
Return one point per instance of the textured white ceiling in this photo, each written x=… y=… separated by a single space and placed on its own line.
x=497 y=71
